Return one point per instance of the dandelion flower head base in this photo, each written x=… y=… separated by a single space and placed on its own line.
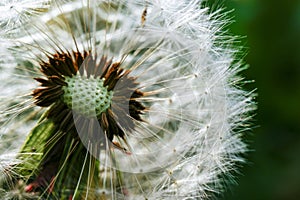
x=86 y=96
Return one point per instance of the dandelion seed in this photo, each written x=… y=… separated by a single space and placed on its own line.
x=136 y=99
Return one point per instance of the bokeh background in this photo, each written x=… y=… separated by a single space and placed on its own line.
x=272 y=30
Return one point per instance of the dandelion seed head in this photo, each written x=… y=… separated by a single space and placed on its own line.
x=148 y=88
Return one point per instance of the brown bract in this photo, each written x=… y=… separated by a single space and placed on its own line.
x=124 y=107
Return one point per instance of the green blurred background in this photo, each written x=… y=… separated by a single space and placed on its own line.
x=272 y=30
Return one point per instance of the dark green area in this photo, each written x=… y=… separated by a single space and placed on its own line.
x=272 y=30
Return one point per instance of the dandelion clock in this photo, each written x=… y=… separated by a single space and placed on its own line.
x=119 y=100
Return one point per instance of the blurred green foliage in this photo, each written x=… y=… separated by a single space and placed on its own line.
x=272 y=30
